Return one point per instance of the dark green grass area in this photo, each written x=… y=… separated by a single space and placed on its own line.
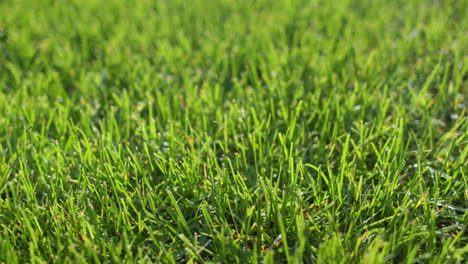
x=233 y=131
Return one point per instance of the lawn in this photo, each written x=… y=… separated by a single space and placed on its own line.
x=233 y=131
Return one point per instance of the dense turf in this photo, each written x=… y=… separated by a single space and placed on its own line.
x=233 y=131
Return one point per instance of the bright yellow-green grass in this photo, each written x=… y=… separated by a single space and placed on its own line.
x=233 y=131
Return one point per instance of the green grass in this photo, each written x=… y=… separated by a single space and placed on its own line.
x=225 y=131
